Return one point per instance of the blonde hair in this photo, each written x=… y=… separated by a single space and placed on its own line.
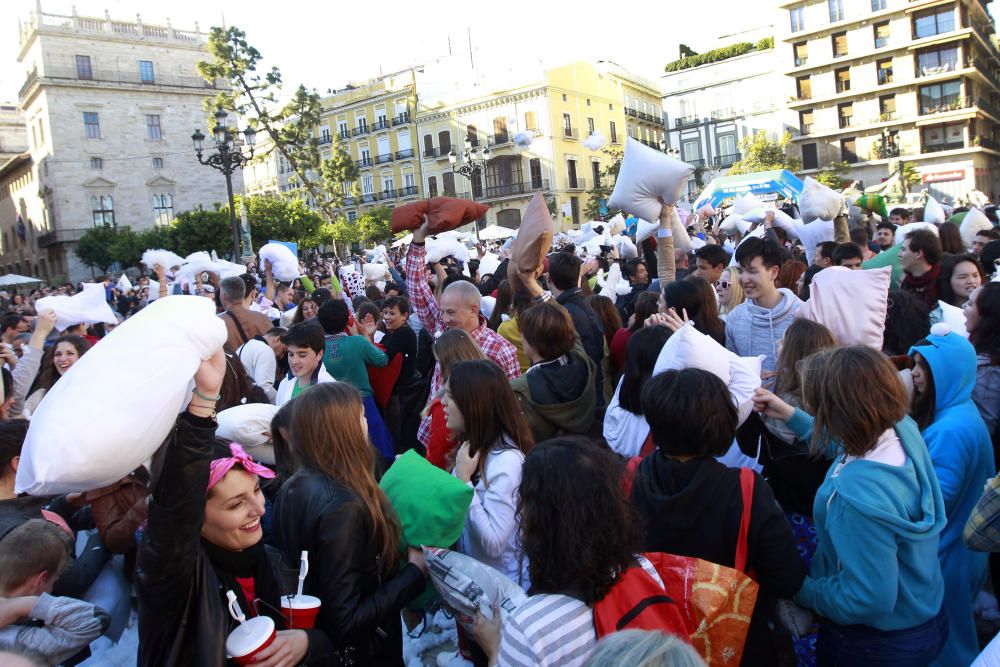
x=736 y=296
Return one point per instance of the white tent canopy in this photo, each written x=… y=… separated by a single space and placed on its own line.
x=495 y=233
x=403 y=241
x=13 y=279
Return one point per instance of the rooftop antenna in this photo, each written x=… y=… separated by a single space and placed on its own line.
x=449 y=45
x=472 y=63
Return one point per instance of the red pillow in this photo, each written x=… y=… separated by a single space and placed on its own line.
x=447 y=213
x=409 y=216
x=533 y=242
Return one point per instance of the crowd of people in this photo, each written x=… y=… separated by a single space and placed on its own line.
x=856 y=485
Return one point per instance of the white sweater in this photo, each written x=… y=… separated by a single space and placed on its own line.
x=261 y=365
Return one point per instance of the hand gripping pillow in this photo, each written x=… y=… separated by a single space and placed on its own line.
x=86 y=307
x=533 y=242
x=165 y=258
x=818 y=202
x=689 y=348
x=934 y=212
x=646 y=177
x=851 y=304
x=430 y=503
x=446 y=213
x=409 y=216
x=975 y=221
x=150 y=358
x=284 y=264
x=681 y=239
x=467 y=586
x=196 y=263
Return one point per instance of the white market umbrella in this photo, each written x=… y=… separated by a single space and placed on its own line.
x=403 y=241
x=495 y=233
x=13 y=279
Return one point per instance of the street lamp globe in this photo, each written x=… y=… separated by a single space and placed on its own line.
x=452 y=158
x=221 y=117
x=220 y=134
x=251 y=136
x=198 y=139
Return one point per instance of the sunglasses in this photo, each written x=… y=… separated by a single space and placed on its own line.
x=724 y=284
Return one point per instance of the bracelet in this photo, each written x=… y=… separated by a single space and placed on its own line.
x=207 y=398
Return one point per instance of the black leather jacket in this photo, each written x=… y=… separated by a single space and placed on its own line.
x=360 y=612
x=183 y=618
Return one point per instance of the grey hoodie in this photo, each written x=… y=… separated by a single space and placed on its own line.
x=753 y=330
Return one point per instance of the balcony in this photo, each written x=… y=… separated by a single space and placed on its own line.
x=386 y=194
x=687 y=120
x=726 y=160
x=576 y=184
x=404 y=154
x=696 y=163
x=631 y=112
x=513 y=189
x=846 y=122
x=381 y=124
x=359 y=131
x=939 y=148
x=408 y=191
x=364 y=162
x=497 y=139
x=884 y=152
x=60 y=236
x=802 y=62
x=988 y=107
x=806 y=128
x=383 y=158
x=945 y=105
x=58 y=74
x=324 y=139
x=721 y=114
x=614 y=139
x=887 y=117
x=570 y=133
x=345 y=133
x=401 y=119
x=349 y=200
x=368 y=198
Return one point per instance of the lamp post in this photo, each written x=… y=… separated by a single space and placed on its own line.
x=227 y=158
x=474 y=162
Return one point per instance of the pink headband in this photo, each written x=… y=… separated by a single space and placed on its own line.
x=221 y=466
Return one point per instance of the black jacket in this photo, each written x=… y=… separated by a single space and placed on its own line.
x=360 y=612
x=694 y=509
x=183 y=614
x=591 y=333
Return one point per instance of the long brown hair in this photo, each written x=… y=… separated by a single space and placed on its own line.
x=830 y=383
x=802 y=338
x=327 y=437
x=611 y=321
x=48 y=375
x=489 y=408
x=923 y=405
x=453 y=346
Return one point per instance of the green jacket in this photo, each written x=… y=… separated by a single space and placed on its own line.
x=559 y=396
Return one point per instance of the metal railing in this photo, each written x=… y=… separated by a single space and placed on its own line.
x=726 y=160
x=404 y=154
x=938 y=148
x=499 y=139
x=60 y=236
x=408 y=191
x=345 y=134
x=687 y=120
x=631 y=112
x=364 y=162
x=992 y=144
x=381 y=124
x=513 y=189
x=359 y=131
x=576 y=184
x=944 y=106
x=719 y=114
x=368 y=198
x=570 y=132
x=386 y=194
x=383 y=158
x=401 y=119
x=324 y=139
x=699 y=162
x=117 y=76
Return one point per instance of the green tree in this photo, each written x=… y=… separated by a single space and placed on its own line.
x=908 y=177
x=762 y=154
x=375 y=226
x=344 y=232
x=833 y=175
x=199 y=229
x=95 y=247
x=339 y=170
x=127 y=247
x=282 y=218
x=603 y=191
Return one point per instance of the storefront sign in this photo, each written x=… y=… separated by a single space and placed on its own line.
x=941 y=176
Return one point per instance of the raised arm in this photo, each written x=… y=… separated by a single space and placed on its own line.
x=666 y=269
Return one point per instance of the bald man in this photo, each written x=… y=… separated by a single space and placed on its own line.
x=459 y=309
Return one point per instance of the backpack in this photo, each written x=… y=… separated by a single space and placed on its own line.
x=237 y=387
x=639 y=601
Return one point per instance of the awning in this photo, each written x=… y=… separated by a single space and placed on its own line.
x=780 y=181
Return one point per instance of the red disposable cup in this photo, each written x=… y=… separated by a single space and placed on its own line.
x=300 y=611
x=249 y=639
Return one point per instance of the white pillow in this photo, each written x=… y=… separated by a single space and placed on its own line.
x=851 y=304
x=249 y=425
x=86 y=307
x=626 y=249
x=489 y=263
x=374 y=272
x=755 y=214
x=438 y=249
x=974 y=221
x=785 y=221
x=905 y=230
x=644 y=229
x=467 y=586
x=818 y=202
x=812 y=234
x=284 y=264
x=934 y=212
x=646 y=176
x=744 y=378
x=746 y=203
x=617 y=224
x=735 y=223
x=689 y=348
x=150 y=358
x=954 y=317
x=165 y=258
x=123 y=284
x=681 y=239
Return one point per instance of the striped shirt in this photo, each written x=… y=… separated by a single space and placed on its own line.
x=548 y=629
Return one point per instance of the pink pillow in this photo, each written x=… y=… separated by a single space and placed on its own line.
x=851 y=304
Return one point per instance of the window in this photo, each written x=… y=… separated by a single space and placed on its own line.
x=806 y=121
x=472 y=135
x=878 y=5
x=588 y=101
x=324 y=134
x=428 y=145
x=157 y=163
x=146 y=71
x=448 y=183
x=940 y=97
x=836 y=8
x=500 y=130
x=614 y=133
x=942 y=137
x=590 y=126
x=848 y=150
x=367 y=184
x=535 y=169
x=91 y=125
x=567 y=125
x=432 y=186
x=842 y=79
x=801 y=51
x=690 y=150
x=887 y=108
x=96 y=163
x=342 y=129
x=937 y=60
x=530 y=121
x=444 y=141
x=797 y=19
x=388 y=186
x=564 y=97
x=727 y=147
x=352 y=216
x=803 y=87
x=845 y=113
x=163 y=209
x=153 y=126
x=932 y=22
x=408 y=182
x=102 y=207
x=883 y=70
x=839 y=44
x=574 y=209
x=810 y=159
x=881 y=34
x=83 y=70
x=41 y=132
x=571 y=174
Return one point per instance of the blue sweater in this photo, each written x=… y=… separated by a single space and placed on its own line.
x=959 y=445
x=878 y=526
x=753 y=330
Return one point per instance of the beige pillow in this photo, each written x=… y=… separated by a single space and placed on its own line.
x=533 y=242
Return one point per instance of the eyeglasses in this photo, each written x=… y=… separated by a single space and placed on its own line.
x=723 y=284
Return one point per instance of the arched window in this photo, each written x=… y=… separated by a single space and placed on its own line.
x=444 y=142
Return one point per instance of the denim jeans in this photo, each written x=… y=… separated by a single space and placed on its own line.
x=864 y=646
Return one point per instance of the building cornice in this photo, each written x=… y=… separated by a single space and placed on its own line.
x=468 y=107
x=407 y=91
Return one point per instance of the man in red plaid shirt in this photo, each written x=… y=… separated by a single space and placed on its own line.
x=459 y=308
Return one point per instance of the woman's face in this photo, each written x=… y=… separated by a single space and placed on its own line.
x=965 y=279
x=971 y=310
x=919 y=374
x=64 y=357
x=309 y=309
x=722 y=287
x=452 y=415
x=233 y=511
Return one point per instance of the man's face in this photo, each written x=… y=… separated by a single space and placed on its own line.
x=853 y=263
x=909 y=259
x=279 y=348
x=897 y=220
x=757 y=279
x=885 y=238
x=705 y=270
x=456 y=313
x=302 y=361
x=641 y=276
x=820 y=259
x=979 y=243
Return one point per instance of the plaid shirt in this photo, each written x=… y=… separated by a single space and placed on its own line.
x=982 y=530
x=424 y=305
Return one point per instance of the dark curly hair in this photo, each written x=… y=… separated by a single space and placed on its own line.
x=907 y=320
x=578 y=529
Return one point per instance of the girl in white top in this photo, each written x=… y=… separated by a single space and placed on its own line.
x=480 y=405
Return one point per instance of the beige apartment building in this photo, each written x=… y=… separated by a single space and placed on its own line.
x=871 y=82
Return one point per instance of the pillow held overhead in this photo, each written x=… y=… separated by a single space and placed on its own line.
x=447 y=213
x=533 y=241
x=934 y=212
x=284 y=264
x=646 y=176
x=851 y=304
x=975 y=221
x=408 y=216
x=818 y=202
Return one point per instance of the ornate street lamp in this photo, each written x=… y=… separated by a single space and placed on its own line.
x=475 y=160
x=227 y=158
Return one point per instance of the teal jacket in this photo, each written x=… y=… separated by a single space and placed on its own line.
x=878 y=527
x=347 y=359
